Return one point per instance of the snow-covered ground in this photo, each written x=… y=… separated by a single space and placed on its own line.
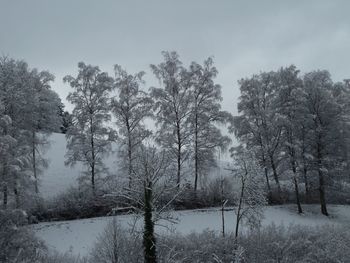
x=78 y=236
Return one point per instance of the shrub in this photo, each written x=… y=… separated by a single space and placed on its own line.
x=268 y=244
x=17 y=242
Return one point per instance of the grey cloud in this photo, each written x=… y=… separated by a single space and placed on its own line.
x=244 y=37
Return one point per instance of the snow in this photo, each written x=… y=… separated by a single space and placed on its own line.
x=78 y=236
x=57 y=178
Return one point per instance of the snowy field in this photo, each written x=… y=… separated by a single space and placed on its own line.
x=78 y=236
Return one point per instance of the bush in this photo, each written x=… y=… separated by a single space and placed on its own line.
x=116 y=245
x=269 y=244
x=17 y=242
x=55 y=257
x=74 y=204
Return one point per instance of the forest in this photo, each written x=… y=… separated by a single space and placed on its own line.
x=288 y=147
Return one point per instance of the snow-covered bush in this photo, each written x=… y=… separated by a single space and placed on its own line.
x=281 y=244
x=116 y=245
x=56 y=257
x=297 y=244
x=17 y=243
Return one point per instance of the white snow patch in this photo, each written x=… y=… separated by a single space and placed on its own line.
x=78 y=236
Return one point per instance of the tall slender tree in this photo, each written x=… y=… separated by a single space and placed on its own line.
x=205 y=114
x=88 y=137
x=288 y=102
x=130 y=107
x=251 y=196
x=30 y=104
x=258 y=123
x=173 y=106
x=324 y=114
x=41 y=118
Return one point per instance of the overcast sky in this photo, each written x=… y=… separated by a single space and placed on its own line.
x=244 y=37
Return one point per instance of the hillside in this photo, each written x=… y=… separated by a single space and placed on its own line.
x=78 y=236
x=57 y=177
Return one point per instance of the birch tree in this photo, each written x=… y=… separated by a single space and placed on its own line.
x=173 y=107
x=88 y=137
x=250 y=196
x=205 y=114
x=324 y=114
x=289 y=105
x=41 y=118
x=130 y=107
x=258 y=124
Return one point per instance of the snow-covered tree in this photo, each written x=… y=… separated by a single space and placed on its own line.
x=41 y=118
x=325 y=119
x=258 y=124
x=205 y=114
x=173 y=107
x=250 y=197
x=88 y=137
x=289 y=106
x=130 y=107
x=30 y=105
x=152 y=186
x=116 y=245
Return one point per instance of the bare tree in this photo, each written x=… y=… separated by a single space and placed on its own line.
x=88 y=137
x=152 y=194
x=173 y=105
x=205 y=114
x=130 y=108
x=258 y=124
x=250 y=197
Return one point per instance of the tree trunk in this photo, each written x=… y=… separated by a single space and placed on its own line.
x=223 y=203
x=296 y=188
x=129 y=154
x=306 y=183
x=15 y=191
x=4 y=189
x=266 y=174
x=4 y=203
x=34 y=163
x=223 y=219
x=178 y=156
x=93 y=179
x=149 y=240
x=238 y=216
x=196 y=155
x=275 y=176
x=93 y=161
x=295 y=177
x=322 y=194
x=129 y=163
x=321 y=182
